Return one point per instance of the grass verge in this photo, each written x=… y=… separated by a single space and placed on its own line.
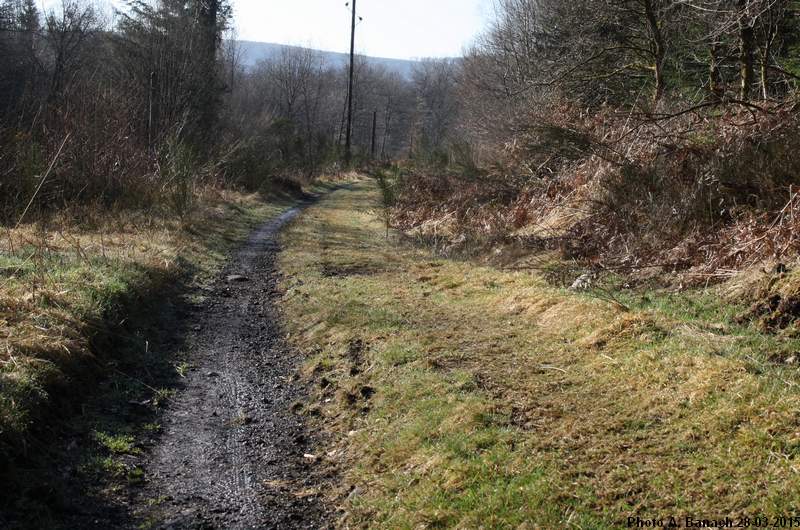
x=463 y=396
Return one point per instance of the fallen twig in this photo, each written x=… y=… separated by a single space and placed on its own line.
x=41 y=183
x=551 y=367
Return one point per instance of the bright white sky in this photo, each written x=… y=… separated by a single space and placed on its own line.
x=391 y=28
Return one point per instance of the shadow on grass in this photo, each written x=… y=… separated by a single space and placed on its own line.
x=65 y=473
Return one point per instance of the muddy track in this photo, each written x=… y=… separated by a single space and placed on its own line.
x=232 y=451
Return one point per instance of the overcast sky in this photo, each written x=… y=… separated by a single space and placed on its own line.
x=391 y=28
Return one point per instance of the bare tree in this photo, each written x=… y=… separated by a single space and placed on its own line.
x=435 y=82
x=68 y=31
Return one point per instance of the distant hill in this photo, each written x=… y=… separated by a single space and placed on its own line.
x=253 y=52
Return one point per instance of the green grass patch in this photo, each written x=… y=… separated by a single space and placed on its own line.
x=498 y=401
x=120 y=444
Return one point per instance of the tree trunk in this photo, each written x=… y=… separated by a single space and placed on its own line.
x=658 y=49
x=746 y=62
x=766 y=55
x=765 y=78
x=716 y=87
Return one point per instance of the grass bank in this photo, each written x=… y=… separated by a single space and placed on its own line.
x=81 y=304
x=465 y=396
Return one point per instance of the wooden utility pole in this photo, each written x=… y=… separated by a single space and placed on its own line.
x=374 y=130
x=151 y=112
x=348 y=155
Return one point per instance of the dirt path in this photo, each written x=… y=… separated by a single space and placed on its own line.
x=232 y=452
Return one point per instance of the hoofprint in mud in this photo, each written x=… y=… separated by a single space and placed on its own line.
x=232 y=452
